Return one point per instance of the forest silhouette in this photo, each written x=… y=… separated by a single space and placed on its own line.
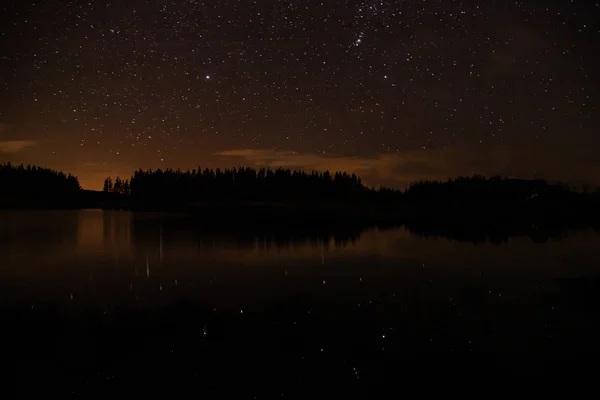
x=492 y=207
x=241 y=184
x=32 y=186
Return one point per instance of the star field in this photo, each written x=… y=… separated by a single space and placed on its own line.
x=102 y=88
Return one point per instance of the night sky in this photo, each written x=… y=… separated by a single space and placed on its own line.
x=393 y=90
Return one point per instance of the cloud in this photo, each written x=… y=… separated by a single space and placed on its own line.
x=385 y=169
x=401 y=169
x=306 y=161
x=15 y=146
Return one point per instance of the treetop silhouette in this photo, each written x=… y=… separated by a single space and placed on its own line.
x=32 y=180
x=242 y=184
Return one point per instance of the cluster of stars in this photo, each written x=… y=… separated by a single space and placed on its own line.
x=179 y=80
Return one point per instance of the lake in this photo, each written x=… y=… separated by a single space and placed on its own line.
x=342 y=299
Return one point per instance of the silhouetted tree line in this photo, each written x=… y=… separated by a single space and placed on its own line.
x=475 y=198
x=35 y=183
x=121 y=187
x=241 y=184
x=464 y=200
x=500 y=198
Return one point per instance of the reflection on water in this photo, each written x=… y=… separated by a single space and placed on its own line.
x=99 y=231
x=107 y=254
x=120 y=294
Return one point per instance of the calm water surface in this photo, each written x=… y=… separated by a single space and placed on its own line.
x=92 y=298
x=106 y=258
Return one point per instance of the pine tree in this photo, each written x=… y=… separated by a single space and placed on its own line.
x=118 y=186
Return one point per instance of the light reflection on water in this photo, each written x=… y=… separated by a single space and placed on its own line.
x=117 y=257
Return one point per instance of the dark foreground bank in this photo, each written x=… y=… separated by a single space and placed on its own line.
x=360 y=340
x=249 y=196
x=462 y=220
x=112 y=302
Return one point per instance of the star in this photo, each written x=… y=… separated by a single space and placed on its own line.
x=304 y=78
